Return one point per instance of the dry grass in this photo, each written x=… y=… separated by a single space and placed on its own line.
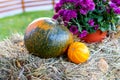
x=17 y=64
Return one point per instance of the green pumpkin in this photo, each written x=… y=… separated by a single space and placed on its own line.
x=46 y=38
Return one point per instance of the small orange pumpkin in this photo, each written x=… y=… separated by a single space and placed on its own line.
x=78 y=52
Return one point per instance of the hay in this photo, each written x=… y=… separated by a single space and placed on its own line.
x=17 y=64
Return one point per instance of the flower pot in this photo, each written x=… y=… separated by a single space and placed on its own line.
x=95 y=37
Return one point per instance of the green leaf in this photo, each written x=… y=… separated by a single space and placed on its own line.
x=91 y=30
x=100 y=18
x=79 y=27
x=86 y=19
x=102 y=29
x=113 y=27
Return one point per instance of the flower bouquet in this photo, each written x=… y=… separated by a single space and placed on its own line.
x=83 y=17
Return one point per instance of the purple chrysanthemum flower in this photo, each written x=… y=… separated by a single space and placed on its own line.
x=57 y=7
x=78 y=3
x=104 y=0
x=68 y=1
x=55 y=16
x=85 y=6
x=91 y=22
x=112 y=5
x=117 y=10
x=65 y=23
x=83 y=34
x=68 y=14
x=72 y=11
x=61 y=12
x=83 y=11
x=74 y=29
x=96 y=27
x=108 y=9
x=117 y=2
x=91 y=6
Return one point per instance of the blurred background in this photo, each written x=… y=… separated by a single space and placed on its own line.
x=15 y=15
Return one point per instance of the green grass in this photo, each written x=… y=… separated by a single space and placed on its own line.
x=18 y=23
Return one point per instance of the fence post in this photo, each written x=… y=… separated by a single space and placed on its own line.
x=23 y=5
x=53 y=3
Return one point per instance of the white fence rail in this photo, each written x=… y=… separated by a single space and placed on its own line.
x=12 y=7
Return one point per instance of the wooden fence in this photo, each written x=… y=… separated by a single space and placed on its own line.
x=9 y=6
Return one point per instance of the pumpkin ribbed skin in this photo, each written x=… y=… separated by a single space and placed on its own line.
x=45 y=38
x=78 y=52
